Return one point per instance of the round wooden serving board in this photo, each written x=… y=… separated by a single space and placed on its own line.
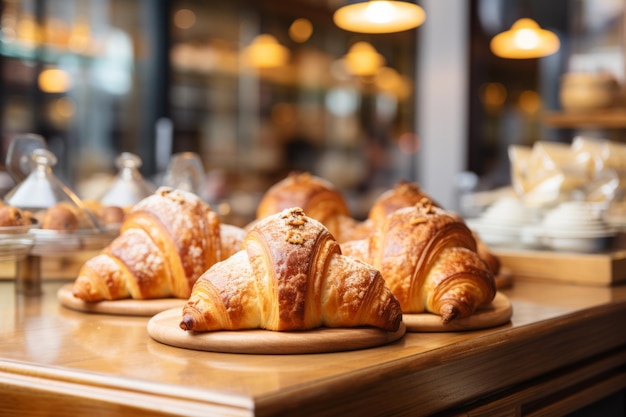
x=163 y=328
x=124 y=307
x=498 y=312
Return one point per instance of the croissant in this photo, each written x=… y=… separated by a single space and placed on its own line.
x=403 y=194
x=406 y=194
x=166 y=242
x=290 y=275
x=317 y=197
x=428 y=259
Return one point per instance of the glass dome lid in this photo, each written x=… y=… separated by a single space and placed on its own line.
x=18 y=160
x=129 y=186
x=41 y=191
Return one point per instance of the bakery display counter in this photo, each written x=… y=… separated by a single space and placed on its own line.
x=564 y=347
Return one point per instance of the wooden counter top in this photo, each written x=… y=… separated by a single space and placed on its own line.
x=65 y=362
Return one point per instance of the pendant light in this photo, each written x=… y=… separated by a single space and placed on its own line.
x=266 y=52
x=379 y=16
x=363 y=60
x=525 y=39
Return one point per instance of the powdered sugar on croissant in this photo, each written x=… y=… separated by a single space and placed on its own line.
x=166 y=242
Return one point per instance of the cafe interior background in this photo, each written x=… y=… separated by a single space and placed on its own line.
x=433 y=104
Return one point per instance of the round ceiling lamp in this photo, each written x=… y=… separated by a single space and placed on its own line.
x=266 y=52
x=363 y=60
x=525 y=39
x=379 y=16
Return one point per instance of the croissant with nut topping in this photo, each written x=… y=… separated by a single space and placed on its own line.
x=428 y=258
x=406 y=194
x=290 y=275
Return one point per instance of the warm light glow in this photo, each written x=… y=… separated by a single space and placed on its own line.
x=525 y=39
x=223 y=209
x=54 y=80
x=266 y=52
x=80 y=36
x=63 y=108
x=379 y=16
x=362 y=59
x=530 y=102
x=301 y=30
x=388 y=80
x=409 y=143
x=55 y=32
x=283 y=114
x=184 y=18
x=493 y=96
x=27 y=29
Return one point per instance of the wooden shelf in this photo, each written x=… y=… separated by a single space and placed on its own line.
x=604 y=269
x=607 y=119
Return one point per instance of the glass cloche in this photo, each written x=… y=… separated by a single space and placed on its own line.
x=64 y=223
x=129 y=186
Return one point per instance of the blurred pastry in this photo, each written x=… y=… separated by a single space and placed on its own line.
x=106 y=215
x=61 y=216
x=109 y=215
x=317 y=197
x=13 y=216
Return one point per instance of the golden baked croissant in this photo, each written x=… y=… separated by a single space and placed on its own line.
x=403 y=194
x=290 y=275
x=318 y=198
x=406 y=194
x=166 y=242
x=428 y=259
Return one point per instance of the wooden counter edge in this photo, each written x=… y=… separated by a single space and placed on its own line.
x=40 y=386
x=461 y=373
x=418 y=384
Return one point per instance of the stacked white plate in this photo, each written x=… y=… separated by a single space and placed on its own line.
x=502 y=222
x=576 y=226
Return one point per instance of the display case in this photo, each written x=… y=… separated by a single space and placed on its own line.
x=163 y=77
x=253 y=121
x=84 y=75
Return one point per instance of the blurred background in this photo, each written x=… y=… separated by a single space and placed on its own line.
x=260 y=88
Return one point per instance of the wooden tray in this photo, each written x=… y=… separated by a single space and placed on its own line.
x=599 y=269
x=163 y=328
x=497 y=313
x=125 y=307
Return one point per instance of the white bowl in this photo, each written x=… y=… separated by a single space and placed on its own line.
x=575 y=219
x=578 y=244
x=532 y=236
x=495 y=234
x=506 y=212
x=501 y=222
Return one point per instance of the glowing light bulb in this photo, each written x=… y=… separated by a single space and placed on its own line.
x=379 y=11
x=526 y=39
x=379 y=16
